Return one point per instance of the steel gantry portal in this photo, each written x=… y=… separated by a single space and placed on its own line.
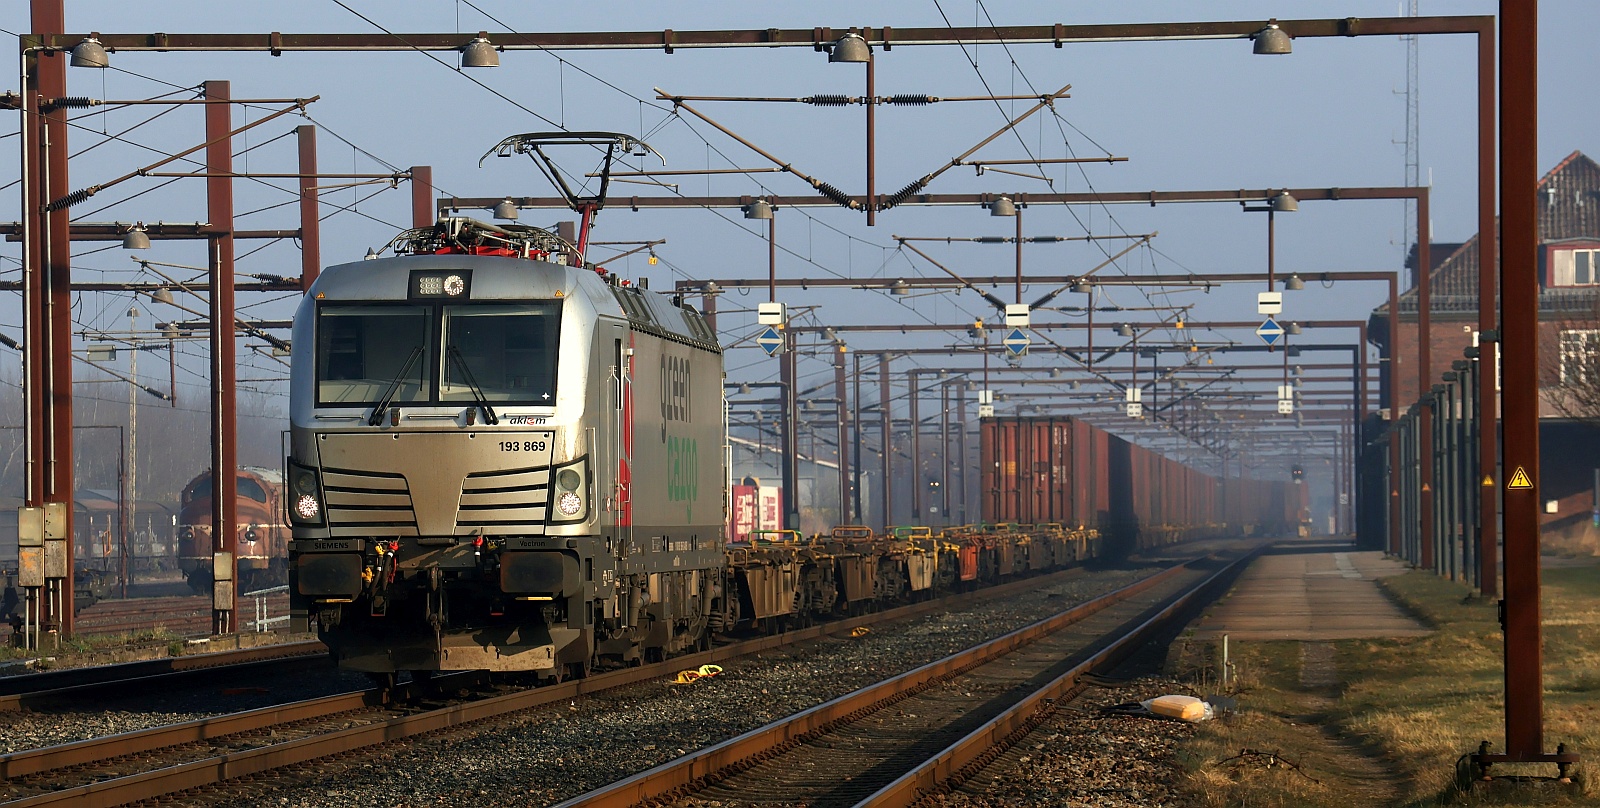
x=47 y=239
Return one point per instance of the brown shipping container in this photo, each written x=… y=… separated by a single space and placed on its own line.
x=1061 y=469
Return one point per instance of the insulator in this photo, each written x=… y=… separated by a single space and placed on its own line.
x=908 y=100
x=70 y=199
x=835 y=194
x=990 y=239
x=828 y=100
x=74 y=102
x=904 y=193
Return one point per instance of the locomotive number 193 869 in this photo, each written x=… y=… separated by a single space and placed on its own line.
x=522 y=446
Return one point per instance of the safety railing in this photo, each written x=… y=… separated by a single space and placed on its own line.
x=262 y=621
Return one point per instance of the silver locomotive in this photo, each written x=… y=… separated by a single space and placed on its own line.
x=499 y=461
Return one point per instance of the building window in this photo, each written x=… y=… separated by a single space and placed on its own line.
x=1576 y=268
x=1580 y=357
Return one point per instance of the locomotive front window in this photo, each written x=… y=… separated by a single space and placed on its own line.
x=364 y=350
x=501 y=353
x=252 y=490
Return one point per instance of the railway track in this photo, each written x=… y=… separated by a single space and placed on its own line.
x=892 y=743
x=184 y=616
x=166 y=761
x=34 y=690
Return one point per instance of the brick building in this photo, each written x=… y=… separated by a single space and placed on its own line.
x=1569 y=329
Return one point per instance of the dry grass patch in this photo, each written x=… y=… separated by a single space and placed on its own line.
x=1407 y=709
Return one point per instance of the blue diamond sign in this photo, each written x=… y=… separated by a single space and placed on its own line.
x=1016 y=342
x=1270 y=332
x=770 y=341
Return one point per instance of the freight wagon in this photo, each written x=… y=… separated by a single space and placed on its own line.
x=1058 y=469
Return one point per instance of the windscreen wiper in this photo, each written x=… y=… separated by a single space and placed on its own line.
x=394 y=387
x=472 y=384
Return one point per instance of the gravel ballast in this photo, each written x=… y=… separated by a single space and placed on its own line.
x=220 y=695
x=546 y=755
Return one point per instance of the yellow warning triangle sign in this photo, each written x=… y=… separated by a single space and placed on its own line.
x=1488 y=481
x=1519 y=479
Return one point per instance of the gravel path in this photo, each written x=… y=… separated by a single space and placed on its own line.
x=546 y=755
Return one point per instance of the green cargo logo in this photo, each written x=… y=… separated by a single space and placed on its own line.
x=683 y=469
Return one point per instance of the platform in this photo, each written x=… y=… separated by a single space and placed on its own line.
x=1311 y=589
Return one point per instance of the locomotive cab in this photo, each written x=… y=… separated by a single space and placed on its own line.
x=460 y=483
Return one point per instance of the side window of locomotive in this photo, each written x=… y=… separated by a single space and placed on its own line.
x=252 y=489
x=508 y=352
x=363 y=350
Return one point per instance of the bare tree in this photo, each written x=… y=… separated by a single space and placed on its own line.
x=1569 y=353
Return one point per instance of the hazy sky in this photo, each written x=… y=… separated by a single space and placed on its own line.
x=1191 y=115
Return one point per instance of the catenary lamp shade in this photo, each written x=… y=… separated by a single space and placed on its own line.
x=136 y=239
x=1272 y=41
x=480 y=52
x=851 y=48
x=90 y=53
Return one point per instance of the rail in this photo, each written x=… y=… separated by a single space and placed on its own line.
x=966 y=756
x=27 y=690
x=232 y=763
x=684 y=775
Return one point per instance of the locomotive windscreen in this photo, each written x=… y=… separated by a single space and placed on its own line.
x=501 y=352
x=364 y=350
x=508 y=351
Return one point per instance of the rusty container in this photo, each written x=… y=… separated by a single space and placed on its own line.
x=969 y=561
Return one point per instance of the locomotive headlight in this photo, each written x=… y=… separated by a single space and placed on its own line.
x=305 y=496
x=435 y=284
x=569 y=492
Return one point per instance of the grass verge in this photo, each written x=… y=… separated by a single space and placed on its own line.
x=1390 y=725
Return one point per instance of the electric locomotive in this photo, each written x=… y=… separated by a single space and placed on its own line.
x=503 y=458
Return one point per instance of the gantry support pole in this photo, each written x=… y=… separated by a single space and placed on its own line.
x=885 y=395
x=1425 y=379
x=224 y=413
x=1358 y=418
x=790 y=472
x=872 y=136
x=1519 y=300
x=944 y=452
x=841 y=412
x=47 y=349
x=855 y=436
x=1488 y=350
x=1393 y=377
x=310 y=217
x=916 y=445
